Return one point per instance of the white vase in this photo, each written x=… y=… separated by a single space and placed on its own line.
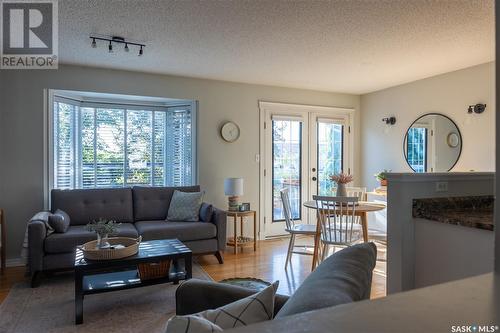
x=102 y=242
x=341 y=190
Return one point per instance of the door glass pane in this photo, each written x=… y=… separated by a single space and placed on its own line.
x=287 y=156
x=330 y=155
x=417 y=148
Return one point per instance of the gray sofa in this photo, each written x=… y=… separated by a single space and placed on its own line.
x=344 y=277
x=140 y=210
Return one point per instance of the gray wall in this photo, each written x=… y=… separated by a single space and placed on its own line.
x=21 y=129
x=449 y=94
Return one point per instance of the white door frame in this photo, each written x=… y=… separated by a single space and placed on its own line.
x=312 y=111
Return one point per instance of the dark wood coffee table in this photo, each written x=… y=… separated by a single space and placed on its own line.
x=95 y=277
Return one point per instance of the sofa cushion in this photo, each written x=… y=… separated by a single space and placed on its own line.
x=183 y=231
x=185 y=206
x=59 y=221
x=84 y=206
x=344 y=277
x=152 y=203
x=77 y=235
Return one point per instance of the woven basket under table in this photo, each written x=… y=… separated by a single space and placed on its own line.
x=155 y=270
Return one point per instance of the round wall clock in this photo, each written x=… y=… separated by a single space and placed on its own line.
x=453 y=140
x=230 y=132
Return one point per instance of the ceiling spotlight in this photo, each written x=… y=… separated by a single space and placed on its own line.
x=110 y=47
x=126 y=47
x=141 y=52
x=94 y=44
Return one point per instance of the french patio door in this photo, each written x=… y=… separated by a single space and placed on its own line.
x=302 y=146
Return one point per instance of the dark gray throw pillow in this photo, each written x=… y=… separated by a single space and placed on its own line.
x=59 y=221
x=206 y=212
x=185 y=206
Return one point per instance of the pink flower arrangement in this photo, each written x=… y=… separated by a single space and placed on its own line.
x=341 y=178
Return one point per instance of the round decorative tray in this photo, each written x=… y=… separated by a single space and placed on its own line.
x=250 y=283
x=129 y=247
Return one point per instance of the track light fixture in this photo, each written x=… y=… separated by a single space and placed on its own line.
x=116 y=39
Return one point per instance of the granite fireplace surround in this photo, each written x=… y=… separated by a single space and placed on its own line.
x=469 y=211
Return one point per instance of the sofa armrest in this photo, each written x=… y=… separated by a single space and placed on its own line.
x=219 y=218
x=37 y=232
x=195 y=296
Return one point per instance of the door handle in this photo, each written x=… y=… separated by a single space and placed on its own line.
x=313 y=169
x=314 y=178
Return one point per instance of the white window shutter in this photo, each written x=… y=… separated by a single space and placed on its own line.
x=96 y=147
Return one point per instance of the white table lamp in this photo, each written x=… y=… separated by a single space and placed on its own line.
x=233 y=187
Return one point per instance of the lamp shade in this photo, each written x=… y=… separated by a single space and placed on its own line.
x=233 y=186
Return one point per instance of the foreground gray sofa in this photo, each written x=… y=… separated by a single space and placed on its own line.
x=344 y=277
x=140 y=210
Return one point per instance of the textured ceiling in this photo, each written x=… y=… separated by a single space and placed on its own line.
x=353 y=46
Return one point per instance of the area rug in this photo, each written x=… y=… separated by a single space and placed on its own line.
x=51 y=308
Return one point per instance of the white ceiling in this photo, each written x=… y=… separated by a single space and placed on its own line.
x=353 y=46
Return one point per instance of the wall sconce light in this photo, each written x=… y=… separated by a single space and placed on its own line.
x=389 y=120
x=478 y=108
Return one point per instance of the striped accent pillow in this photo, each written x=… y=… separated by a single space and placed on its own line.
x=252 y=309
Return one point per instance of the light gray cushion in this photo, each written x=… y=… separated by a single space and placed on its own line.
x=77 y=235
x=59 y=221
x=206 y=212
x=343 y=277
x=152 y=203
x=191 y=324
x=183 y=231
x=246 y=311
x=87 y=205
x=185 y=206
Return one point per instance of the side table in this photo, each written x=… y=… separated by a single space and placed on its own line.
x=242 y=241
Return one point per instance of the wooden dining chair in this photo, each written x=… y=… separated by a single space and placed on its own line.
x=359 y=192
x=339 y=223
x=294 y=228
x=2 y=242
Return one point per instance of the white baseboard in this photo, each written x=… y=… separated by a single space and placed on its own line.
x=14 y=262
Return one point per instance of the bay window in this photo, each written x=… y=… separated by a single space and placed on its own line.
x=109 y=144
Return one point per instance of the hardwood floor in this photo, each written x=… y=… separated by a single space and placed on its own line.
x=11 y=276
x=267 y=263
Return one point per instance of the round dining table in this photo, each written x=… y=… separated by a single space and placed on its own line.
x=362 y=210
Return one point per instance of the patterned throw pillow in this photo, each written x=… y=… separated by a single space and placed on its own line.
x=250 y=310
x=59 y=221
x=185 y=206
x=192 y=323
